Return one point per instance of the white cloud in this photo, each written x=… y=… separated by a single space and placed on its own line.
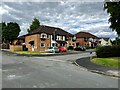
x=24 y=28
x=69 y=15
x=106 y=34
x=62 y=1
x=3 y=11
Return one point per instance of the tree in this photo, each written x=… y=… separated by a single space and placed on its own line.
x=116 y=41
x=0 y=33
x=35 y=24
x=113 y=8
x=10 y=31
x=3 y=28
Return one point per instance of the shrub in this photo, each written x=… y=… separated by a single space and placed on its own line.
x=108 y=51
x=70 y=48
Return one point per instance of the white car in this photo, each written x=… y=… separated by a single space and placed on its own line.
x=52 y=49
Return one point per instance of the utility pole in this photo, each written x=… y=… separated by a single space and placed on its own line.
x=54 y=34
x=54 y=39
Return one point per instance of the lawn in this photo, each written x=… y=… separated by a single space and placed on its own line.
x=28 y=52
x=109 y=62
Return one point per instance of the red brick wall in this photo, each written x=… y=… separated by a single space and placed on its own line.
x=37 y=42
x=80 y=41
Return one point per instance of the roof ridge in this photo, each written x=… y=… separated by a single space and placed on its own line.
x=88 y=34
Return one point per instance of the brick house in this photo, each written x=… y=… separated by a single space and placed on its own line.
x=86 y=39
x=45 y=36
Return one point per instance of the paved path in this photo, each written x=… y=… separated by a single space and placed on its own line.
x=85 y=62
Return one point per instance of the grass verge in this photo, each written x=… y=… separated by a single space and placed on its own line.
x=29 y=53
x=113 y=62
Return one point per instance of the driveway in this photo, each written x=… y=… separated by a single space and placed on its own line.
x=50 y=72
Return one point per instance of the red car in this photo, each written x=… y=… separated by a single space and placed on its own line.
x=62 y=49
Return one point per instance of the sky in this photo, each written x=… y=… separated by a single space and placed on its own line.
x=71 y=16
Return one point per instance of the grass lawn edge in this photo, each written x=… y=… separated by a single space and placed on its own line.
x=113 y=62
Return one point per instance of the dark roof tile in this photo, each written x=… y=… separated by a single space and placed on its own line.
x=50 y=30
x=84 y=35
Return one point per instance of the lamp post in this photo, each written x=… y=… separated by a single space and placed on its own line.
x=54 y=34
x=54 y=39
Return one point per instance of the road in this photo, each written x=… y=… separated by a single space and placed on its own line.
x=50 y=72
x=0 y=70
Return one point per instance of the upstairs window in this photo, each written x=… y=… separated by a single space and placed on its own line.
x=63 y=38
x=43 y=35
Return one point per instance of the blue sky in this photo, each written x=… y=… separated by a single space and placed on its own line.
x=72 y=16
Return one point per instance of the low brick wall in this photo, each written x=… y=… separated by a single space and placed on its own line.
x=15 y=47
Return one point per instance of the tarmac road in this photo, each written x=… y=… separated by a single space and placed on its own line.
x=50 y=72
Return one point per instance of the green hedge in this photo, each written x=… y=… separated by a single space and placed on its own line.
x=108 y=51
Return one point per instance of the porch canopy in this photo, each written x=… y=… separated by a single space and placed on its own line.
x=31 y=42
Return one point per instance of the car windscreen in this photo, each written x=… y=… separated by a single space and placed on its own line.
x=55 y=48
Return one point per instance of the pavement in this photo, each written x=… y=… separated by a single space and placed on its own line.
x=42 y=55
x=86 y=63
x=50 y=72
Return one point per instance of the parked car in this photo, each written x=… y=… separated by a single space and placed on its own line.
x=70 y=48
x=62 y=49
x=80 y=48
x=52 y=49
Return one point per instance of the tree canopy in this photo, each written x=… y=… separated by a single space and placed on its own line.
x=113 y=8
x=10 y=31
x=116 y=41
x=35 y=24
x=3 y=28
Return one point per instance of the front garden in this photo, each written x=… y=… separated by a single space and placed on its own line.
x=108 y=56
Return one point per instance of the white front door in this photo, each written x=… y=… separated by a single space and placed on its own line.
x=32 y=48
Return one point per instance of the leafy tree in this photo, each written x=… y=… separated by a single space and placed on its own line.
x=113 y=8
x=10 y=31
x=116 y=41
x=35 y=24
x=3 y=30
x=0 y=32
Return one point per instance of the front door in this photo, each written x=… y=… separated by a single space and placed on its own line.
x=32 y=47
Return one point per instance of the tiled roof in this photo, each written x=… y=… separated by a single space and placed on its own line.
x=85 y=35
x=21 y=37
x=50 y=30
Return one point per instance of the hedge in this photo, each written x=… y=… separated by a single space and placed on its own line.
x=108 y=51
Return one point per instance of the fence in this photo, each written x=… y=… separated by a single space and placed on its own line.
x=16 y=48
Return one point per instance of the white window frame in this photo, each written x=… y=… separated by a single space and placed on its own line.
x=45 y=35
x=63 y=38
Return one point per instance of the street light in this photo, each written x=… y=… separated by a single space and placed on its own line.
x=54 y=39
x=54 y=33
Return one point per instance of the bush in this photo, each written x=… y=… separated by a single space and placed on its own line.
x=70 y=48
x=108 y=51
